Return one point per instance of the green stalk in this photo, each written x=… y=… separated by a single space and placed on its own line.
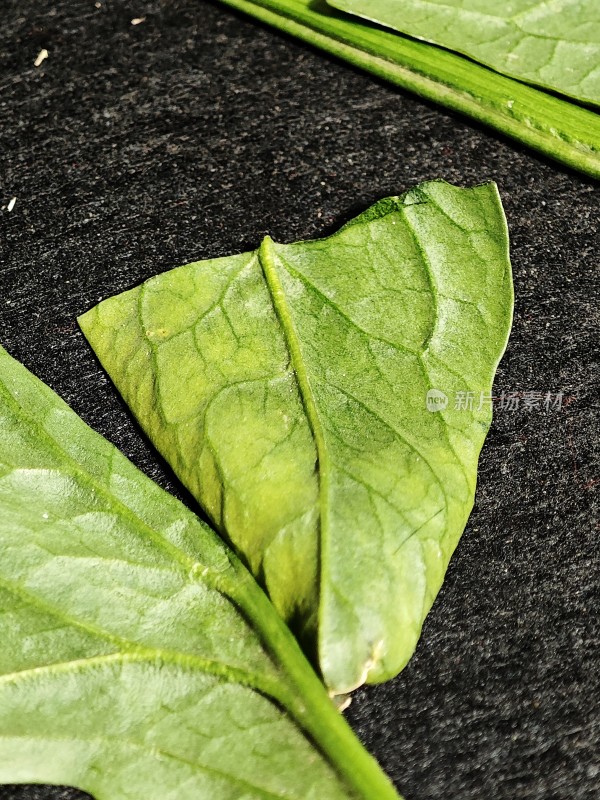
x=308 y=703
x=556 y=127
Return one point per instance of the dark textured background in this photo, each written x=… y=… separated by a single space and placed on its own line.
x=134 y=149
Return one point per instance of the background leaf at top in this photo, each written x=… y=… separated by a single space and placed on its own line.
x=287 y=389
x=551 y=43
x=139 y=659
x=552 y=125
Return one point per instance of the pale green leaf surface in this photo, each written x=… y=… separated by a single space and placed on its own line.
x=139 y=659
x=550 y=43
x=287 y=388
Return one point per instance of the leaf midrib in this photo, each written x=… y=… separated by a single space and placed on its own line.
x=267 y=253
x=138 y=654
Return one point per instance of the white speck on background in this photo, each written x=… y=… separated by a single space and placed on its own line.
x=138 y=20
x=11 y=204
x=41 y=57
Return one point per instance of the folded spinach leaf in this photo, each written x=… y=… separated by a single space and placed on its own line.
x=555 y=126
x=287 y=388
x=552 y=44
x=139 y=659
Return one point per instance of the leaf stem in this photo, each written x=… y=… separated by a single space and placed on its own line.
x=308 y=703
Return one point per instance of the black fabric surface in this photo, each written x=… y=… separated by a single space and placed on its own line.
x=133 y=149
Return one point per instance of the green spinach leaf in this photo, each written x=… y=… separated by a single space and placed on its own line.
x=139 y=659
x=287 y=388
x=552 y=125
x=551 y=43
